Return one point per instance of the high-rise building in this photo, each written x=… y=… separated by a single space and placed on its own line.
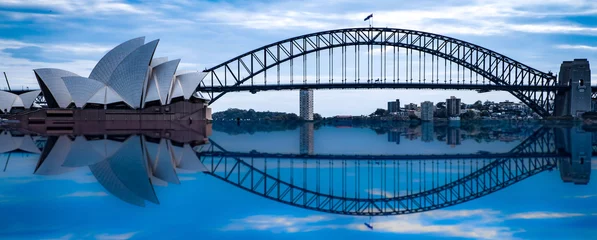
x=307 y=137
x=453 y=106
x=394 y=106
x=394 y=137
x=427 y=108
x=453 y=136
x=306 y=104
x=427 y=132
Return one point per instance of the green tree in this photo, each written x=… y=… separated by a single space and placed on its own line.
x=379 y=112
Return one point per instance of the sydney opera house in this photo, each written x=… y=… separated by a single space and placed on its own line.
x=127 y=84
x=127 y=166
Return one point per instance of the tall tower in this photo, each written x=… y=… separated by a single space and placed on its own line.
x=576 y=100
x=306 y=104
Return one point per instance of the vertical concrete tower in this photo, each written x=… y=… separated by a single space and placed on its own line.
x=576 y=100
x=580 y=83
x=306 y=104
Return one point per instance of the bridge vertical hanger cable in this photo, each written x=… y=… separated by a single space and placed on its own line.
x=7 y=83
x=394 y=62
x=369 y=57
x=411 y=59
x=278 y=65
x=291 y=62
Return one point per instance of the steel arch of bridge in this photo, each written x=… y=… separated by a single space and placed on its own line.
x=493 y=177
x=499 y=72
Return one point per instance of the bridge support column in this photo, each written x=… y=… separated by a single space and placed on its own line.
x=306 y=104
x=578 y=143
x=577 y=99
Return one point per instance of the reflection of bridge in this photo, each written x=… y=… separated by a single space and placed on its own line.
x=414 y=60
x=128 y=166
x=396 y=185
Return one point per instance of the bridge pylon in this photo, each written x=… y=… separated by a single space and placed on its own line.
x=576 y=99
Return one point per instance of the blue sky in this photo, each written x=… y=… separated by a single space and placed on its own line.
x=74 y=35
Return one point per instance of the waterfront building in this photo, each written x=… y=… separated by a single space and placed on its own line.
x=453 y=106
x=127 y=77
x=394 y=106
x=427 y=108
x=306 y=104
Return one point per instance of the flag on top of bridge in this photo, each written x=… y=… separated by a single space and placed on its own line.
x=368 y=17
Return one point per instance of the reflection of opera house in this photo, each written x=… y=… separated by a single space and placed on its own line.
x=127 y=84
x=126 y=166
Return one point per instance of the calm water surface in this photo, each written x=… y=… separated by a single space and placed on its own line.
x=290 y=181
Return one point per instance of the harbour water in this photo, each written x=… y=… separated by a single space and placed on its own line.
x=495 y=180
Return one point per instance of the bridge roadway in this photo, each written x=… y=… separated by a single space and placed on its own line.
x=377 y=85
x=225 y=154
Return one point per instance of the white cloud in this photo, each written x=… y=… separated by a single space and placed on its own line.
x=108 y=7
x=379 y=192
x=475 y=224
x=577 y=47
x=106 y=236
x=65 y=237
x=72 y=48
x=585 y=196
x=476 y=18
x=543 y=215
x=86 y=194
x=280 y=223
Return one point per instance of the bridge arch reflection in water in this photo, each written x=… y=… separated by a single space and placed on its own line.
x=129 y=166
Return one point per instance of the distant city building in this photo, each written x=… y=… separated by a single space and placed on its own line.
x=394 y=106
x=394 y=137
x=427 y=108
x=306 y=104
x=453 y=106
x=453 y=137
x=427 y=132
x=307 y=136
x=410 y=106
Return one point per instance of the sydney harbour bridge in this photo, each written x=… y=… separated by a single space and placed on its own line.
x=388 y=58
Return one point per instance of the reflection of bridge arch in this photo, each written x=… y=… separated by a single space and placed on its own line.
x=498 y=174
x=498 y=72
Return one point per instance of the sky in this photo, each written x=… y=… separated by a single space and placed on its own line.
x=73 y=35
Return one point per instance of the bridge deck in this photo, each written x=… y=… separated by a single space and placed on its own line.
x=379 y=157
x=377 y=85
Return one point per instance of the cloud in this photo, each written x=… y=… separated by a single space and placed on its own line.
x=585 y=196
x=577 y=47
x=379 y=192
x=65 y=237
x=106 y=236
x=275 y=223
x=543 y=215
x=475 y=224
x=474 y=18
x=72 y=7
x=86 y=194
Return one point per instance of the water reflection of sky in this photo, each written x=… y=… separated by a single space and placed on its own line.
x=73 y=205
x=332 y=140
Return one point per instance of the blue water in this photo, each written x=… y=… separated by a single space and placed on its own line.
x=304 y=181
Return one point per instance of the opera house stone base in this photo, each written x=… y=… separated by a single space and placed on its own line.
x=185 y=117
x=128 y=89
